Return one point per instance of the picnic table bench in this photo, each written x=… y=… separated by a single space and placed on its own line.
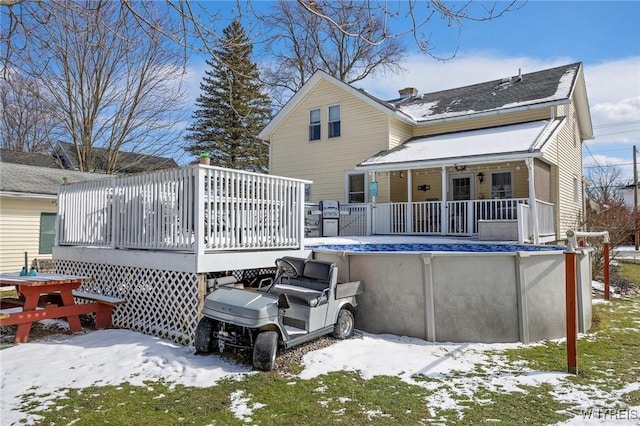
x=47 y=296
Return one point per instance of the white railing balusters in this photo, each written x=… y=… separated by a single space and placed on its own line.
x=192 y=209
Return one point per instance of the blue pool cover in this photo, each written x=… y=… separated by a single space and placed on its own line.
x=467 y=248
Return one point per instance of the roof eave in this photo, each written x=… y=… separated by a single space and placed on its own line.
x=579 y=91
x=495 y=112
x=451 y=161
x=31 y=195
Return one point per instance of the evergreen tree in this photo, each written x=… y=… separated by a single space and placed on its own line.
x=232 y=109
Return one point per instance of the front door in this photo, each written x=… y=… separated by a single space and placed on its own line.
x=462 y=188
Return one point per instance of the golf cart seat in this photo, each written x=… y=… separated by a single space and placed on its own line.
x=311 y=287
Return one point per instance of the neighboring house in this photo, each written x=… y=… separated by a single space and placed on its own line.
x=482 y=159
x=29 y=159
x=627 y=193
x=127 y=162
x=28 y=208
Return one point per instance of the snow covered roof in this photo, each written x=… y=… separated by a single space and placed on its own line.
x=551 y=85
x=491 y=144
x=539 y=89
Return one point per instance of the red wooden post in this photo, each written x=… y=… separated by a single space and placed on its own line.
x=606 y=270
x=571 y=321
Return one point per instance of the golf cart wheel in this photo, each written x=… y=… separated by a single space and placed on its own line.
x=264 y=350
x=344 y=325
x=204 y=341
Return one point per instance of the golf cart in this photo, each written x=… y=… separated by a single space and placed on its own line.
x=301 y=302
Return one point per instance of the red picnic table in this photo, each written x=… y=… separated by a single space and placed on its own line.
x=62 y=289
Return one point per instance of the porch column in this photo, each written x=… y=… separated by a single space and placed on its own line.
x=444 y=223
x=533 y=208
x=371 y=225
x=409 y=224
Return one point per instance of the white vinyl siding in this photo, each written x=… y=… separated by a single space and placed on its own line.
x=326 y=163
x=20 y=231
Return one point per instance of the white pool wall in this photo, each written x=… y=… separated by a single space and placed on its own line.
x=465 y=297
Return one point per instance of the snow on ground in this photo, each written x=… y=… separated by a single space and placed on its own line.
x=102 y=357
x=627 y=252
x=110 y=357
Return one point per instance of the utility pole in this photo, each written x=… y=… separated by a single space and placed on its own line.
x=636 y=234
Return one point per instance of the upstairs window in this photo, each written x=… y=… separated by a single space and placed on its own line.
x=334 y=121
x=314 y=125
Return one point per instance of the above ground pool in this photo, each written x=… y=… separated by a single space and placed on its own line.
x=462 y=292
x=449 y=247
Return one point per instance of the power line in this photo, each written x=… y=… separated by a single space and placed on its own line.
x=591 y=154
x=616 y=133
x=598 y=165
x=611 y=150
x=622 y=123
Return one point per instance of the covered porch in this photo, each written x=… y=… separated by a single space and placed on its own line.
x=492 y=183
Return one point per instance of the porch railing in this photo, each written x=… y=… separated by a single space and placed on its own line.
x=460 y=218
x=198 y=208
x=546 y=217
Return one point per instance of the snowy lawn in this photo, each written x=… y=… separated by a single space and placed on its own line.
x=124 y=377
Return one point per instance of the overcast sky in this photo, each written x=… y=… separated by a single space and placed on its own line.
x=542 y=34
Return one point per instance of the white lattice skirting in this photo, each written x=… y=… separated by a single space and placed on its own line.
x=159 y=303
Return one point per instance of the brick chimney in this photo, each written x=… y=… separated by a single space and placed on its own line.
x=408 y=91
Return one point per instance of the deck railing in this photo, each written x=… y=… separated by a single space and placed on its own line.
x=197 y=209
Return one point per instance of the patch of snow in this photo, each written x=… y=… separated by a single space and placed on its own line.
x=240 y=406
x=102 y=357
x=112 y=357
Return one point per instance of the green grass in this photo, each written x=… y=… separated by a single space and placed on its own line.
x=607 y=362
x=629 y=271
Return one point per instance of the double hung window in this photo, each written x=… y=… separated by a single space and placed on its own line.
x=334 y=121
x=314 y=125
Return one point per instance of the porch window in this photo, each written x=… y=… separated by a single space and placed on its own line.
x=334 y=121
x=355 y=188
x=501 y=186
x=314 y=125
x=47 y=232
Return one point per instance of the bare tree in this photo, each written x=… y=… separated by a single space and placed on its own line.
x=302 y=43
x=112 y=84
x=603 y=183
x=193 y=24
x=28 y=123
x=611 y=214
x=419 y=13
